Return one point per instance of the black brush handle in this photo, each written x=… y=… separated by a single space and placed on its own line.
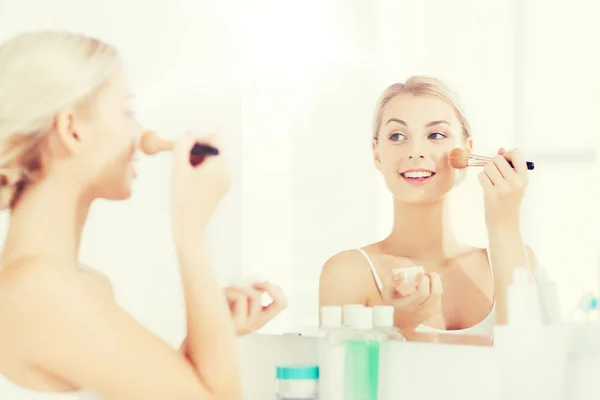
x=204 y=149
x=530 y=165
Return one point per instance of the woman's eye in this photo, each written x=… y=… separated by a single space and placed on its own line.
x=437 y=136
x=397 y=136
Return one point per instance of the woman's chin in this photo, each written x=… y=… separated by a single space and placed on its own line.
x=420 y=199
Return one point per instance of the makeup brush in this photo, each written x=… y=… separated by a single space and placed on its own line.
x=152 y=144
x=460 y=158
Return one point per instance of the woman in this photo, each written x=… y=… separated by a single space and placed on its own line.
x=463 y=289
x=69 y=137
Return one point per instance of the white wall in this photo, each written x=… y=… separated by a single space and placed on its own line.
x=560 y=75
x=294 y=86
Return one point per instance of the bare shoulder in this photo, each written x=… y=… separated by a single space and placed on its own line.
x=45 y=304
x=345 y=279
x=347 y=262
x=101 y=279
x=42 y=290
x=35 y=297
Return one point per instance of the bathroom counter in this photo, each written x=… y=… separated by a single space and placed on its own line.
x=261 y=353
x=433 y=366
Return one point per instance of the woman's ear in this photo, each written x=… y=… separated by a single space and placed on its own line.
x=65 y=131
x=376 y=154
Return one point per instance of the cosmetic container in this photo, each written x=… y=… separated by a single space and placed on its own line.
x=409 y=274
x=362 y=357
x=297 y=382
x=348 y=313
x=383 y=323
x=523 y=303
x=548 y=297
x=586 y=309
x=383 y=318
x=331 y=354
x=331 y=317
x=531 y=355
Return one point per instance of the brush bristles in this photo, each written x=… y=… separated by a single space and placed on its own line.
x=151 y=144
x=458 y=158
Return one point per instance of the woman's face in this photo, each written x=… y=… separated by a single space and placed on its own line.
x=415 y=137
x=112 y=136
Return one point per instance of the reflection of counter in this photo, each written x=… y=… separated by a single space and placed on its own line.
x=444 y=338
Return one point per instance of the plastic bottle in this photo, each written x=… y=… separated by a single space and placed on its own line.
x=331 y=317
x=531 y=355
x=362 y=357
x=548 y=295
x=383 y=323
x=523 y=303
x=585 y=310
x=332 y=352
x=348 y=313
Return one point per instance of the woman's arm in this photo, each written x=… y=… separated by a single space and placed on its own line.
x=503 y=190
x=508 y=251
x=81 y=337
x=247 y=312
x=210 y=345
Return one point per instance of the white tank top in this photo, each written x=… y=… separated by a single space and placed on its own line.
x=484 y=327
x=11 y=391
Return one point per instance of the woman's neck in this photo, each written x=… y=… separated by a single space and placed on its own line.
x=422 y=231
x=47 y=222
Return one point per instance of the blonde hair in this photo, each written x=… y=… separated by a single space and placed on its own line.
x=42 y=73
x=420 y=86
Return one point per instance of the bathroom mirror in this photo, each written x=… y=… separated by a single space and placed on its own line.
x=293 y=87
x=307 y=129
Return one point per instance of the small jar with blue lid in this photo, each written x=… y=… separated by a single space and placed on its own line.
x=297 y=382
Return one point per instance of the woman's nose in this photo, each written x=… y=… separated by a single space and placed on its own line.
x=416 y=150
x=137 y=137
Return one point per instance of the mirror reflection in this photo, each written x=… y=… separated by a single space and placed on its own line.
x=417 y=125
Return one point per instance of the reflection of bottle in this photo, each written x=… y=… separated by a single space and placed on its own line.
x=523 y=304
x=362 y=357
x=383 y=323
x=586 y=309
x=531 y=356
x=548 y=294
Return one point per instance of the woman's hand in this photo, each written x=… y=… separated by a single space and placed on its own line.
x=417 y=303
x=504 y=188
x=196 y=190
x=248 y=313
